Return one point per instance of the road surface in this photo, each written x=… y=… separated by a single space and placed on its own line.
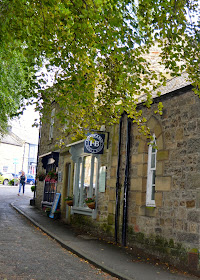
x=26 y=253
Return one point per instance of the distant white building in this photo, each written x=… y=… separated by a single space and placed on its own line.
x=13 y=153
x=17 y=155
x=32 y=158
x=18 y=148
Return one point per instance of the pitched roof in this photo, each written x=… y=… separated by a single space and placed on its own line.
x=11 y=139
x=171 y=85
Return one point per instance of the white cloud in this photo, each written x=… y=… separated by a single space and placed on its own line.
x=22 y=126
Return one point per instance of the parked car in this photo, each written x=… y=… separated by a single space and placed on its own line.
x=30 y=179
x=16 y=176
x=5 y=178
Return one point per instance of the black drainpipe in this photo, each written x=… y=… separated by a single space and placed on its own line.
x=117 y=183
x=39 y=136
x=126 y=183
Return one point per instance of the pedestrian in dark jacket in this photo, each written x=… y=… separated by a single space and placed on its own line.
x=22 y=181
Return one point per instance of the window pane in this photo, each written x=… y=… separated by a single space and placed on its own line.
x=80 y=174
x=5 y=168
x=150 y=196
x=153 y=147
x=79 y=181
x=153 y=193
x=95 y=175
x=153 y=177
x=87 y=173
x=87 y=167
x=153 y=160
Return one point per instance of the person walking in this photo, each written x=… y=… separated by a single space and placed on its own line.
x=22 y=181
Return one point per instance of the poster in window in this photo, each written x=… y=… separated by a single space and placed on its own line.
x=54 y=205
x=102 y=179
x=59 y=176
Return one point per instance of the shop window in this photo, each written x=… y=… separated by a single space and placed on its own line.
x=151 y=174
x=85 y=182
x=49 y=192
x=5 y=169
x=50 y=187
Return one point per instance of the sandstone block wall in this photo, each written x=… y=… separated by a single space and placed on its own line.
x=176 y=215
x=173 y=225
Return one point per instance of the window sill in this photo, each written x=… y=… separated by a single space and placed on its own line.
x=151 y=204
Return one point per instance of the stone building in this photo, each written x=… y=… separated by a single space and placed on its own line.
x=147 y=194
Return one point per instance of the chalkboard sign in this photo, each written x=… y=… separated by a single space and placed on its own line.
x=54 y=205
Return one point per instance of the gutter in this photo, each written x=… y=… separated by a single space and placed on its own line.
x=117 y=183
x=126 y=183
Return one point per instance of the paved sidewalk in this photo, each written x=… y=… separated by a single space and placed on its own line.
x=112 y=259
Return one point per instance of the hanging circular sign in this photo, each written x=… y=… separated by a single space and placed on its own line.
x=94 y=143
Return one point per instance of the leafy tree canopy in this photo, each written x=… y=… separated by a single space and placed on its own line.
x=13 y=85
x=98 y=52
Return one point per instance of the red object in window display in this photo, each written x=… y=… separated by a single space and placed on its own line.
x=91 y=205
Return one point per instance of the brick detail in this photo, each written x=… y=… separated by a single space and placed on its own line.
x=137 y=158
x=163 y=183
x=159 y=199
x=162 y=155
x=136 y=184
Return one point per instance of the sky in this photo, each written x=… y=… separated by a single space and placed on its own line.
x=22 y=127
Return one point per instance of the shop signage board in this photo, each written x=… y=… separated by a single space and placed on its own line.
x=94 y=143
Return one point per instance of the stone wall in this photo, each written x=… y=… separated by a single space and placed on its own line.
x=47 y=145
x=176 y=215
x=172 y=227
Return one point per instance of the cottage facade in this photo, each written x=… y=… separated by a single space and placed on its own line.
x=147 y=194
x=17 y=154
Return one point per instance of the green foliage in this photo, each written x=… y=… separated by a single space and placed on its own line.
x=41 y=176
x=52 y=175
x=97 y=53
x=90 y=199
x=11 y=182
x=140 y=237
x=171 y=243
x=13 y=82
x=194 y=250
x=32 y=188
x=69 y=198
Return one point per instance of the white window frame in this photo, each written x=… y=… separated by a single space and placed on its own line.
x=151 y=174
x=78 y=157
x=5 y=169
x=52 y=124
